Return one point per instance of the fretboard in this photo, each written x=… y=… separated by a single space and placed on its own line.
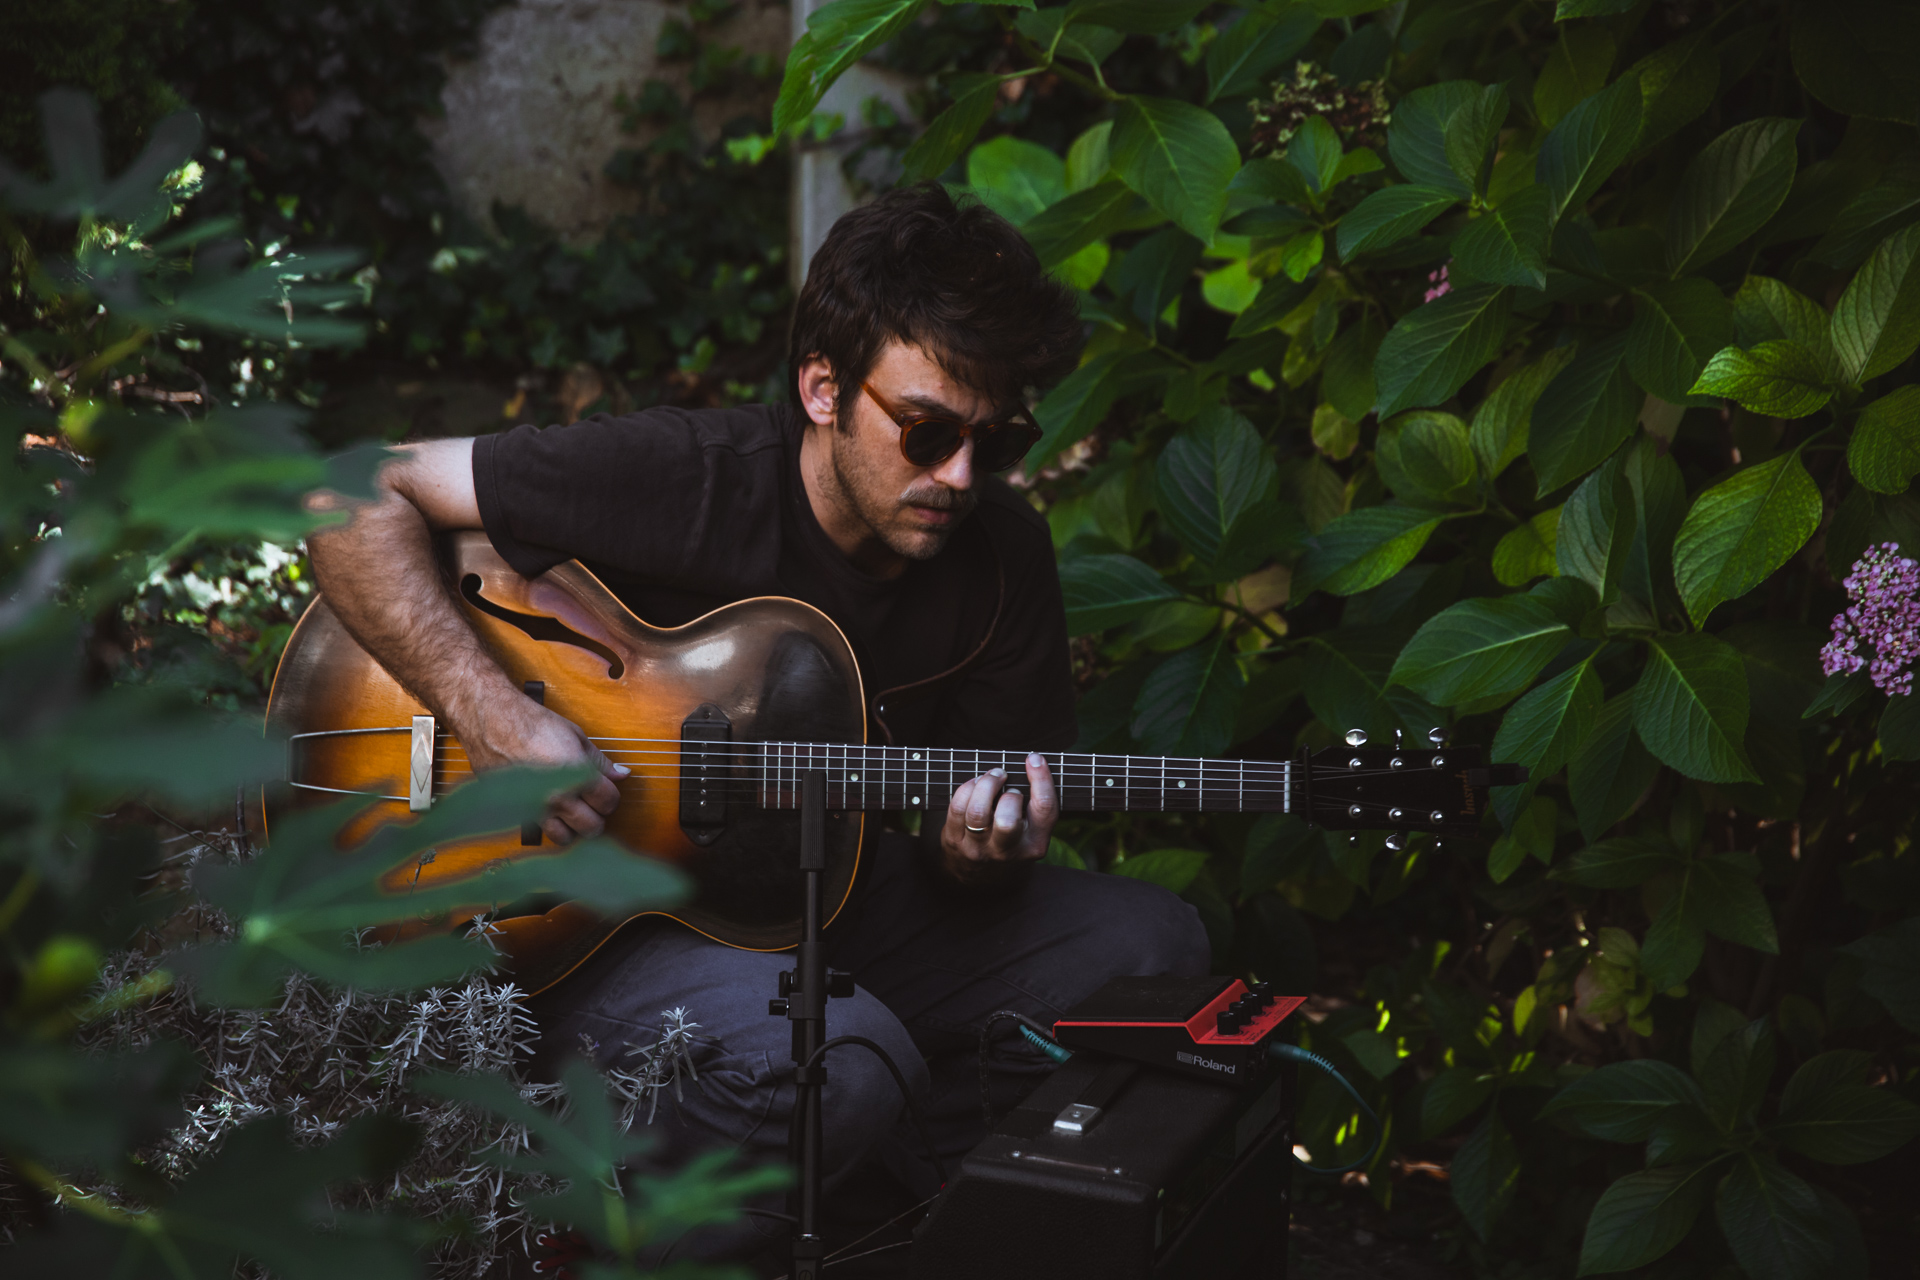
x=925 y=777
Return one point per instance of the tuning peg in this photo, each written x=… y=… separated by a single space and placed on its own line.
x=1356 y=737
x=1397 y=841
x=1437 y=736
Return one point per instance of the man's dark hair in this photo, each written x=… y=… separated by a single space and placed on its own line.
x=958 y=281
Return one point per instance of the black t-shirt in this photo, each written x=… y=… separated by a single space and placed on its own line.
x=681 y=511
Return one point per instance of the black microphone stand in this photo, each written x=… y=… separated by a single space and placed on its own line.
x=804 y=991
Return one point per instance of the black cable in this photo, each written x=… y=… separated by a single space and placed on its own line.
x=986 y=1035
x=906 y=1095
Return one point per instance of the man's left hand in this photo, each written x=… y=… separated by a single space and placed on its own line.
x=990 y=824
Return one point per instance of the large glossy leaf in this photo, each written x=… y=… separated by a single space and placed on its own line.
x=1691 y=707
x=1584 y=413
x=1780 y=379
x=1500 y=424
x=1171 y=869
x=1481 y=650
x=1828 y=1113
x=1472 y=131
x=1595 y=537
x=1485 y=1173
x=1730 y=190
x=1240 y=57
x=1451 y=1097
x=1209 y=476
x=1884 y=453
x=1678 y=326
x=1876 y=323
x=1277 y=299
x=1542 y=729
x=1741 y=530
x=1622 y=1102
x=1079 y=220
x=1016 y=178
x=1187 y=706
x=1508 y=245
x=953 y=130
x=1155 y=271
x=1346 y=378
x=1609 y=770
x=1417 y=139
x=1642 y=1216
x=1053 y=29
x=1528 y=551
x=1437 y=346
x=1105 y=591
x=1389 y=216
x=1677 y=83
x=837 y=36
x=79 y=185
x=1178 y=156
x=1589 y=143
x=1139 y=17
x=1424 y=457
x=1890 y=968
x=1778 y=1227
x=1850 y=55
x=1625 y=862
x=1766 y=310
x=1577 y=66
x=1364 y=548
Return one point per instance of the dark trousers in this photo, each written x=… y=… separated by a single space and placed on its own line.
x=931 y=964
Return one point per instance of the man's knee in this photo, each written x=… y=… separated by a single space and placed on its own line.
x=861 y=1103
x=1139 y=929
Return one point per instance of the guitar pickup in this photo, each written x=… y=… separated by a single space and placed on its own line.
x=704 y=773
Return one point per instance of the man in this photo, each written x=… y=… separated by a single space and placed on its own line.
x=920 y=328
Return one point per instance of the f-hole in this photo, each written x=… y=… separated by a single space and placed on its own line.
x=540 y=627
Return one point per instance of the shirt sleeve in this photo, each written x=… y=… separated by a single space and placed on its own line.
x=673 y=496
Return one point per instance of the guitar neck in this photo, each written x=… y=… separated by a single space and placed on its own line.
x=925 y=777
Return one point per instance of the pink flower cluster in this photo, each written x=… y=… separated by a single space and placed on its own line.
x=1885 y=615
x=1441 y=287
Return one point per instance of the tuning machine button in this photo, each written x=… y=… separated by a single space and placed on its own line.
x=1397 y=841
x=1438 y=762
x=1436 y=817
x=1437 y=736
x=1356 y=737
x=1353 y=811
x=1356 y=763
x=1395 y=815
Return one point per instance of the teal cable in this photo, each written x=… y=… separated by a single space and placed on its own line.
x=1294 y=1053
x=1044 y=1044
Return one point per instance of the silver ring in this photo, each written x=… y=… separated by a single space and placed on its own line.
x=977 y=830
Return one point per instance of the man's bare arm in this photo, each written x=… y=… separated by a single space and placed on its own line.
x=379 y=575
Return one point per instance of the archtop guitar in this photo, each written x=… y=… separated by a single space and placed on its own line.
x=719 y=721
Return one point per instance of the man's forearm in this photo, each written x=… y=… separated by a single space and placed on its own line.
x=380 y=577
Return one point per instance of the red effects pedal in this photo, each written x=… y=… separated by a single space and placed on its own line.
x=1214 y=1028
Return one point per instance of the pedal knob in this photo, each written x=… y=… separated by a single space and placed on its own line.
x=1228 y=1022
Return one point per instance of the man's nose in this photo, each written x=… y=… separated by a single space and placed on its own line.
x=956 y=472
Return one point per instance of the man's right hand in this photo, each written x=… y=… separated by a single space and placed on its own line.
x=529 y=734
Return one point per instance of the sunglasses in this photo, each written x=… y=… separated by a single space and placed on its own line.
x=928 y=437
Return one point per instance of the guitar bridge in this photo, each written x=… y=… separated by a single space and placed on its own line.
x=703 y=773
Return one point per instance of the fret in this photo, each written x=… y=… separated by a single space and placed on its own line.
x=1242 y=789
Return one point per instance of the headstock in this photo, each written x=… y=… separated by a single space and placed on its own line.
x=1436 y=787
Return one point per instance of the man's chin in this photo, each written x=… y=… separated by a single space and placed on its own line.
x=918 y=544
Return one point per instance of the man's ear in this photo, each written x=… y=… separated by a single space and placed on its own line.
x=819 y=393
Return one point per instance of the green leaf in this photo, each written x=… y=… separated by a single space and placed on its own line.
x=1301 y=254
x=1876 y=323
x=1389 y=216
x=1732 y=187
x=1155 y=271
x=1528 y=551
x=1105 y=591
x=1187 y=706
x=1500 y=424
x=1471 y=132
x=1621 y=863
x=1240 y=57
x=1590 y=8
x=1642 y=1216
x=1417 y=138
x=1677 y=84
x=1542 y=729
x=1609 y=771
x=1277 y=299
x=1677 y=328
x=837 y=36
x=1884 y=453
x=1016 y=178
x=1596 y=530
x=1210 y=475
x=1080 y=219
x=1481 y=650
x=1850 y=54
x=1437 y=346
x=1577 y=66
x=1890 y=967
x=1900 y=728
x=1690 y=707
x=1742 y=529
x=1451 y=1097
x=1871 y=216
x=1765 y=309
x=1425 y=459
x=1728 y=903
x=1171 y=869
x=1137 y=17
x=1777 y=1225
x=1779 y=379
x=1588 y=144
x=1314 y=151
x=1081 y=401
x=1484 y=1174
x=1364 y=548
x=1085 y=42
x=1508 y=245
x=1584 y=413
x=1346 y=680
x=1674 y=945
x=1273 y=179
x=1089 y=159
x=1828 y=1113
x=950 y=132
x=1346 y=379
x=1178 y=156
x=1623 y=1101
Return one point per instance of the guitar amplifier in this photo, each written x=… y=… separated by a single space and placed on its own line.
x=1115 y=1170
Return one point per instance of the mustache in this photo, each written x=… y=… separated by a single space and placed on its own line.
x=940 y=498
